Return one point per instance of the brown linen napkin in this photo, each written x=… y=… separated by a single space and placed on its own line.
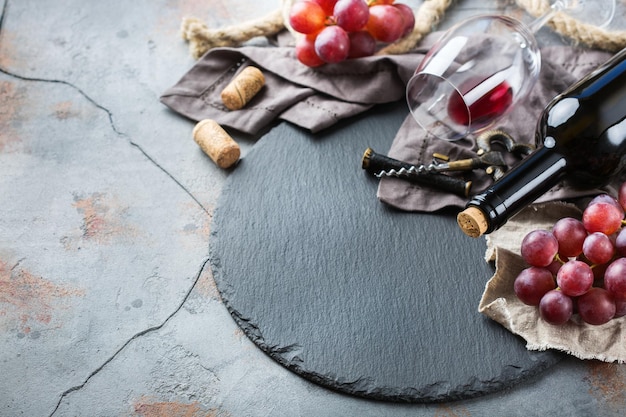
x=313 y=98
x=561 y=67
x=499 y=302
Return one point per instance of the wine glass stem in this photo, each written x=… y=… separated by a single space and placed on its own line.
x=555 y=7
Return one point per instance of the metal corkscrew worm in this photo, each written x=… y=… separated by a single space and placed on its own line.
x=383 y=166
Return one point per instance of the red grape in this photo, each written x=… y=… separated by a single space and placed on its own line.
x=602 y=217
x=351 y=15
x=327 y=5
x=605 y=198
x=554 y=267
x=533 y=283
x=305 y=52
x=385 y=23
x=620 y=309
x=539 y=248
x=620 y=242
x=598 y=274
x=621 y=196
x=592 y=282
x=570 y=233
x=598 y=248
x=596 y=306
x=306 y=17
x=575 y=278
x=361 y=44
x=341 y=29
x=555 y=307
x=332 y=44
x=615 y=279
x=407 y=16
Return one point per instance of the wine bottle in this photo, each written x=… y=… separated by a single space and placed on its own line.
x=581 y=140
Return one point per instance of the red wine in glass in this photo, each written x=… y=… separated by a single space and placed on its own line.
x=485 y=100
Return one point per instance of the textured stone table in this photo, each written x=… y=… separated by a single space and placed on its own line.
x=347 y=292
x=107 y=302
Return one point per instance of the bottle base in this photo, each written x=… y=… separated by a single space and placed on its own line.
x=473 y=222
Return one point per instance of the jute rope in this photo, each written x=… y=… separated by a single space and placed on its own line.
x=427 y=17
x=201 y=38
x=579 y=32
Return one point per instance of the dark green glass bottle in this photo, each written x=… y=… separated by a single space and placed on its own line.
x=581 y=139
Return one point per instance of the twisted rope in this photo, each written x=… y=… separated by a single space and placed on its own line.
x=579 y=32
x=201 y=38
x=428 y=16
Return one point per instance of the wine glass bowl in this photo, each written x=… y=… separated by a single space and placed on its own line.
x=481 y=67
x=473 y=76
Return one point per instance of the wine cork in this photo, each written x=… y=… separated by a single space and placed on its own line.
x=216 y=143
x=472 y=221
x=242 y=88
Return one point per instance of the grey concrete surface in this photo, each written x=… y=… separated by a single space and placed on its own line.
x=107 y=305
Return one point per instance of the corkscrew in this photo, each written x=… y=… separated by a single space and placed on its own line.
x=432 y=174
x=486 y=139
x=491 y=161
x=383 y=166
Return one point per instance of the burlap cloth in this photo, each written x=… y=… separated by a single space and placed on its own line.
x=316 y=99
x=499 y=302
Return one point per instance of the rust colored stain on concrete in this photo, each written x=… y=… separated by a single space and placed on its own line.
x=7 y=42
x=29 y=302
x=451 y=411
x=607 y=383
x=102 y=218
x=206 y=286
x=10 y=103
x=173 y=409
x=63 y=110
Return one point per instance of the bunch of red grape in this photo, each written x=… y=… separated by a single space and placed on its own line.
x=578 y=267
x=335 y=30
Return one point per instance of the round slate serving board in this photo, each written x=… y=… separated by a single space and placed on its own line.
x=347 y=292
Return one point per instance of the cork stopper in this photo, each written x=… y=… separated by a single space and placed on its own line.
x=365 y=161
x=472 y=221
x=242 y=88
x=216 y=143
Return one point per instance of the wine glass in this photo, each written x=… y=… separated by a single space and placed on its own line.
x=481 y=67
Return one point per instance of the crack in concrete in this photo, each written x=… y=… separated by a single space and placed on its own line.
x=121 y=134
x=112 y=125
x=115 y=129
x=103 y=108
x=129 y=341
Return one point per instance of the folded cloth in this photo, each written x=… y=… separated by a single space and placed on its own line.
x=313 y=98
x=499 y=302
x=316 y=98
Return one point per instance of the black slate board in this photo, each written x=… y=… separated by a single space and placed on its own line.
x=347 y=292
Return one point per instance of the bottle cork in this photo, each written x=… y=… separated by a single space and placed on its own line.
x=216 y=143
x=473 y=221
x=243 y=88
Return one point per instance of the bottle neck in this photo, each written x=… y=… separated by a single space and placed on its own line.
x=536 y=175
